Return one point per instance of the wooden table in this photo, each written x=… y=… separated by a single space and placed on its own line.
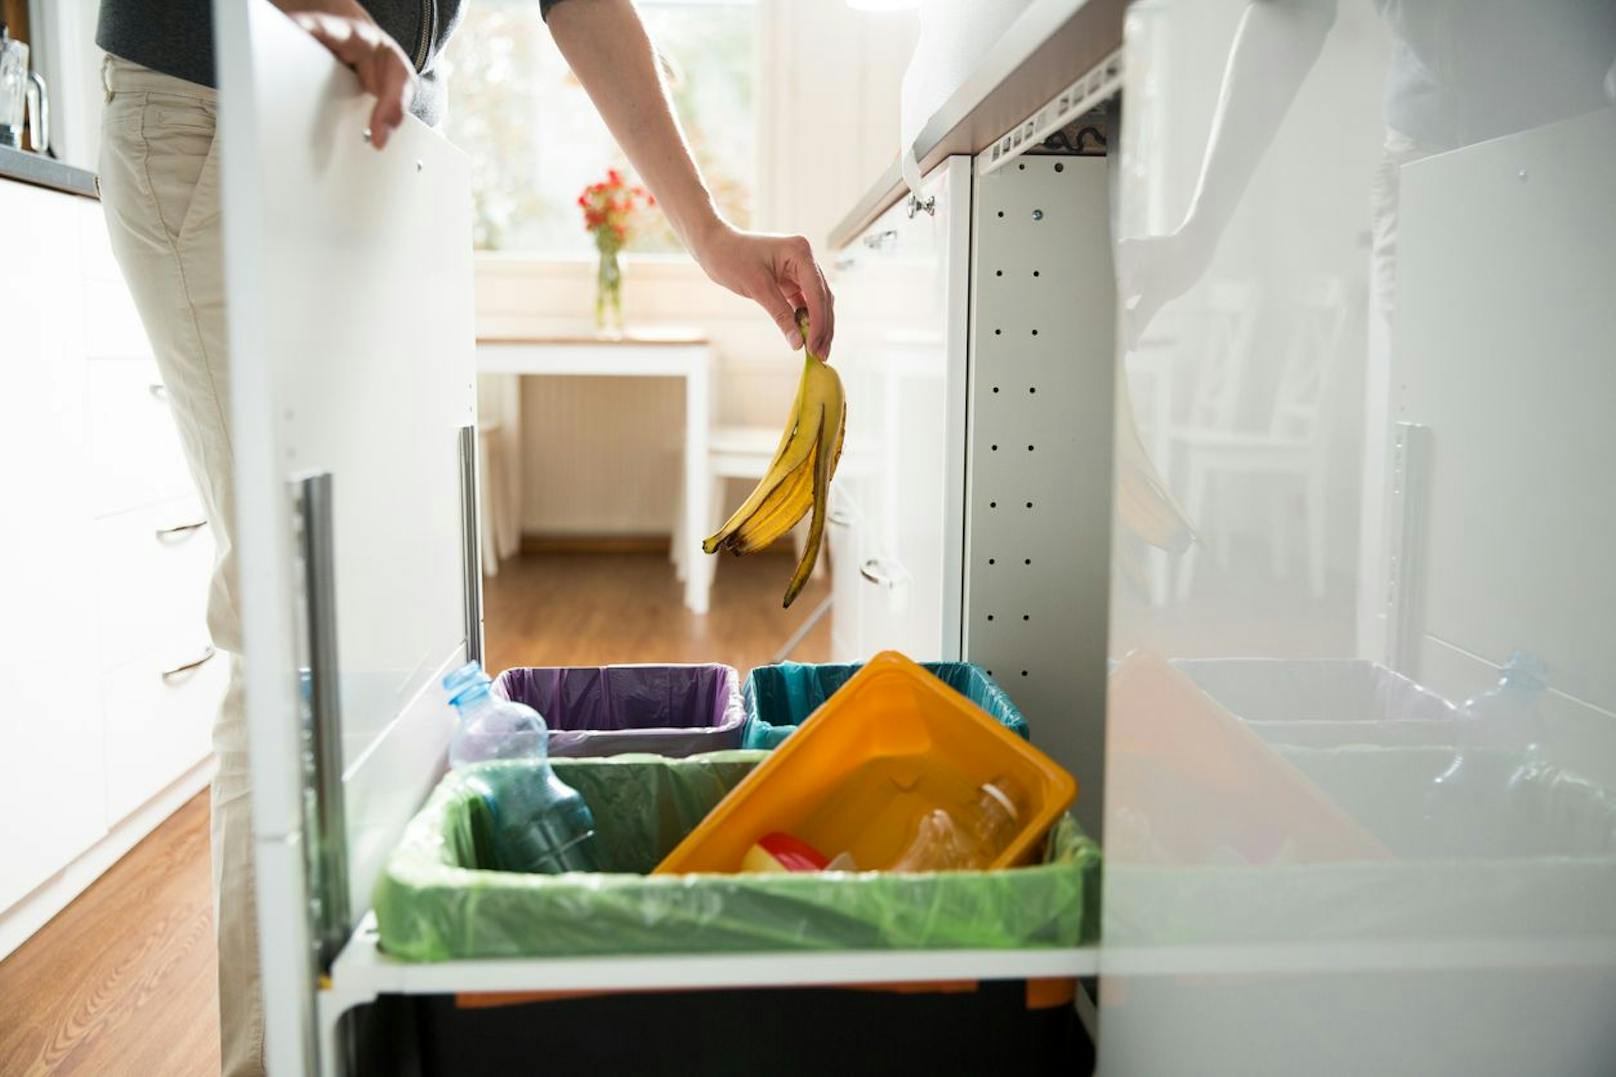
x=669 y=353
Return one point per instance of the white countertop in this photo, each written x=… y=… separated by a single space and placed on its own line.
x=25 y=167
x=1048 y=47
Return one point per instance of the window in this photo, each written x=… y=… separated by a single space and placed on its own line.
x=535 y=140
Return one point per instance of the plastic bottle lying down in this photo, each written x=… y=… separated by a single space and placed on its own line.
x=979 y=833
x=540 y=823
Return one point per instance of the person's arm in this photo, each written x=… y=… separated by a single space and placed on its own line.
x=354 y=38
x=610 y=52
x=1274 y=48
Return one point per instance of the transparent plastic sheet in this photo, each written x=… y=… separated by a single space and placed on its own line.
x=781 y=697
x=1535 y=810
x=607 y=710
x=1325 y=702
x=1561 y=827
x=433 y=903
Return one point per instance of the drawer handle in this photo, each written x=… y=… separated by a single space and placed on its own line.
x=166 y=533
x=838 y=518
x=207 y=656
x=872 y=570
x=158 y=390
x=876 y=240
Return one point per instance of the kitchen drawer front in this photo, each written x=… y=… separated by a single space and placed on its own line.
x=135 y=454
x=158 y=723
x=153 y=566
x=844 y=531
x=112 y=327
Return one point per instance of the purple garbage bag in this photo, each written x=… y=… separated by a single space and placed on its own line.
x=608 y=710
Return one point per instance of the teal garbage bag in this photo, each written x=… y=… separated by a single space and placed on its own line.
x=436 y=900
x=779 y=698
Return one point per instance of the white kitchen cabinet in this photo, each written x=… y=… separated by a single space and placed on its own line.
x=158 y=711
x=152 y=567
x=135 y=455
x=902 y=290
x=105 y=561
x=51 y=777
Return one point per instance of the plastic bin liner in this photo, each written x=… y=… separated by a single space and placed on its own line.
x=780 y=698
x=607 y=710
x=434 y=903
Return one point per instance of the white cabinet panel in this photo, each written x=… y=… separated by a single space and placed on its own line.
x=112 y=328
x=50 y=757
x=135 y=452
x=1390 y=325
x=152 y=570
x=845 y=642
x=901 y=348
x=158 y=717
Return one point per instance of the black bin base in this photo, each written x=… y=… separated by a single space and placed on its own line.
x=810 y=1031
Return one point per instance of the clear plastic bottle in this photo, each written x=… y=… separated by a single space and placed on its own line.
x=490 y=727
x=540 y=823
x=1505 y=717
x=970 y=839
x=1466 y=803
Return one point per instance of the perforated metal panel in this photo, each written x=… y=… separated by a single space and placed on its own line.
x=1039 y=435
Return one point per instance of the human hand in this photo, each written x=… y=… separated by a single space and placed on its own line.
x=381 y=65
x=776 y=272
x=1152 y=271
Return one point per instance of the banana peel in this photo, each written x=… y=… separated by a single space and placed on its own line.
x=798 y=478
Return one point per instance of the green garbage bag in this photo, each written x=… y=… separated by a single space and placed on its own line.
x=780 y=698
x=435 y=902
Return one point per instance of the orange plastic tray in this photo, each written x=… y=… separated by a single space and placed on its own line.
x=893 y=743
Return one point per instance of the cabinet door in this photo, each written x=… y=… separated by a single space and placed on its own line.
x=901 y=346
x=843 y=533
x=50 y=727
x=159 y=710
x=371 y=383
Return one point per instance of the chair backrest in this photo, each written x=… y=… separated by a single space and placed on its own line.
x=1231 y=311
x=1306 y=375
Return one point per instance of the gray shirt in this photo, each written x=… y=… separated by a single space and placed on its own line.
x=175 y=37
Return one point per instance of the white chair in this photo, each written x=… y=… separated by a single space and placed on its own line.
x=496 y=507
x=734 y=452
x=1294 y=444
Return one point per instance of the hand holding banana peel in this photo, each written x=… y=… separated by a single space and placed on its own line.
x=799 y=477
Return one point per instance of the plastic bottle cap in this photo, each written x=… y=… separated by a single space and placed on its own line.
x=998 y=794
x=467 y=684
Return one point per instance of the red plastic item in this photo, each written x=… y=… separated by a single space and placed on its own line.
x=786 y=853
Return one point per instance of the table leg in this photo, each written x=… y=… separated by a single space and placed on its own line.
x=697 y=511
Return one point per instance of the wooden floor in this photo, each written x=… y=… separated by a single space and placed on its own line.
x=590 y=609
x=122 y=982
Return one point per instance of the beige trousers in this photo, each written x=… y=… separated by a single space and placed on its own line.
x=160 y=194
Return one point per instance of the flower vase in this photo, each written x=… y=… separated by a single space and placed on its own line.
x=609 y=295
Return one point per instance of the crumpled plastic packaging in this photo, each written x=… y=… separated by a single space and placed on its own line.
x=433 y=902
x=779 y=698
x=607 y=710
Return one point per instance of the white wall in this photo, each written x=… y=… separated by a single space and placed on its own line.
x=64 y=52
